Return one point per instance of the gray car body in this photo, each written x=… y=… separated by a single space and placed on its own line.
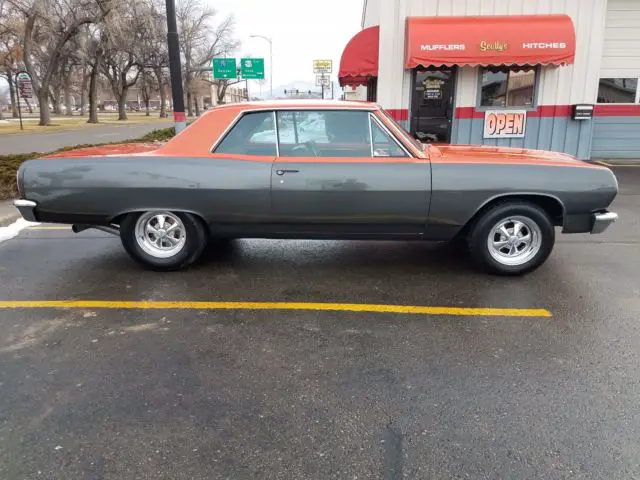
x=415 y=199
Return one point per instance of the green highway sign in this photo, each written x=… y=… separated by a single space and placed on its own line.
x=224 y=68
x=252 y=68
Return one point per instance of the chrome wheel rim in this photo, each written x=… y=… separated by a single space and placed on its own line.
x=514 y=240
x=160 y=234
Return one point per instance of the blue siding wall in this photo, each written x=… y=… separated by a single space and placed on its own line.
x=559 y=134
x=616 y=137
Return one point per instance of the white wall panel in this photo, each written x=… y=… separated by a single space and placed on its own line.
x=621 y=52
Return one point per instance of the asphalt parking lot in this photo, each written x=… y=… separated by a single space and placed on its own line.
x=201 y=392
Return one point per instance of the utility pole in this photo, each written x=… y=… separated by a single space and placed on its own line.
x=174 y=67
x=270 y=40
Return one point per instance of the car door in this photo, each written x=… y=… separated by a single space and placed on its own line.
x=238 y=174
x=330 y=178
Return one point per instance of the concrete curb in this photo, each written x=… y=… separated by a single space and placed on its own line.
x=8 y=214
x=8 y=220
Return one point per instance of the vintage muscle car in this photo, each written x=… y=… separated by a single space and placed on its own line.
x=305 y=169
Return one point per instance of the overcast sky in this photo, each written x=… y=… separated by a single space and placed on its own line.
x=302 y=31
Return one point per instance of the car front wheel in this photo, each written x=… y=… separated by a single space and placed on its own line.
x=163 y=240
x=511 y=238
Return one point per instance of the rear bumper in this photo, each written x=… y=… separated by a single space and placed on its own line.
x=27 y=209
x=602 y=220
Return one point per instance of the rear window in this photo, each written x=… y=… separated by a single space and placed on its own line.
x=253 y=134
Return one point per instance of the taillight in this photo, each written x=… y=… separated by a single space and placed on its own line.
x=19 y=183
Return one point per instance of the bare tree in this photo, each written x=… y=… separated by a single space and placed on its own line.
x=125 y=32
x=147 y=87
x=121 y=70
x=95 y=64
x=49 y=25
x=201 y=40
x=10 y=32
x=152 y=50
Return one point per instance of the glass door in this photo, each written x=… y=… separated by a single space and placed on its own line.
x=432 y=104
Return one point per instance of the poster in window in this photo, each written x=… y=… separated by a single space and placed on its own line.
x=432 y=89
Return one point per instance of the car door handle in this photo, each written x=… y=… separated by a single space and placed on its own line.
x=282 y=172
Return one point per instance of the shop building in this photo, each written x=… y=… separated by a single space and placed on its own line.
x=545 y=74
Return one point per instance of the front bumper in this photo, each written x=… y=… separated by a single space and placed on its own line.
x=27 y=209
x=602 y=220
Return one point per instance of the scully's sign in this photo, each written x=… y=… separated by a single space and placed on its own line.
x=505 y=123
x=493 y=46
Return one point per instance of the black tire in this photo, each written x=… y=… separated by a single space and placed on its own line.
x=194 y=243
x=482 y=226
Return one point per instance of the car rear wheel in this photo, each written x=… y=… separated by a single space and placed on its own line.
x=511 y=238
x=163 y=240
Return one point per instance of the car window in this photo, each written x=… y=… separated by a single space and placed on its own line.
x=383 y=144
x=323 y=133
x=407 y=135
x=253 y=134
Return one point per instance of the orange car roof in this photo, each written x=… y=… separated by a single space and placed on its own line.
x=199 y=137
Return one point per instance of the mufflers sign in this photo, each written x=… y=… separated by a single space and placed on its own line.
x=505 y=123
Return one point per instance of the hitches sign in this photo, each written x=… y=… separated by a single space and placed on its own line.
x=505 y=123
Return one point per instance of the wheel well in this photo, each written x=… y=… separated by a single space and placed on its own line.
x=552 y=206
x=118 y=218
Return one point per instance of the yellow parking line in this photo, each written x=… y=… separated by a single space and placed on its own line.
x=606 y=164
x=345 y=307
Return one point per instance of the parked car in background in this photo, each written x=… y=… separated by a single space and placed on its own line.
x=318 y=169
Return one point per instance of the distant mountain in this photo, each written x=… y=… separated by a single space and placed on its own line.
x=302 y=86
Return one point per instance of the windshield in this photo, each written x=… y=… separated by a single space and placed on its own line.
x=406 y=134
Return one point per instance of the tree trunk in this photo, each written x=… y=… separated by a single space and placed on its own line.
x=163 y=93
x=93 y=88
x=189 y=109
x=83 y=90
x=122 y=100
x=221 y=91
x=43 y=102
x=146 y=97
x=29 y=107
x=12 y=94
x=196 y=99
x=55 y=100
x=67 y=99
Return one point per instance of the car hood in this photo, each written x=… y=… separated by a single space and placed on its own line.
x=106 y=150
x=492 y=154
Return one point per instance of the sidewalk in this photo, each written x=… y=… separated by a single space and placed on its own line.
x=8 y=213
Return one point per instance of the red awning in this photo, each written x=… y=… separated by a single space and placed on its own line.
x=490 y=40
x=359 y=59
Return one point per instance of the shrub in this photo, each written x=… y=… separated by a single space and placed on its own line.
x=159 y=135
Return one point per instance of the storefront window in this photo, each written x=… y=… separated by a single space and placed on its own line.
x=508 y=87
x=617 y=90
